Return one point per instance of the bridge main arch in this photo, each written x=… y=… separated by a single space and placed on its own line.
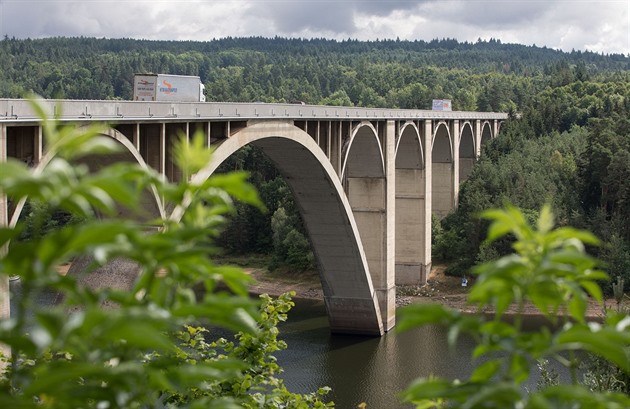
x=350 y=297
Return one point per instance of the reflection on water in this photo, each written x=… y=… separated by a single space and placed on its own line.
x=365 y=369
x=358 y=369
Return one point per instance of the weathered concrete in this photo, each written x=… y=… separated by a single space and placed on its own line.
x=5 y=305
x=442 y=176
x=410 y=207
x=366 y=180
x=349 y=294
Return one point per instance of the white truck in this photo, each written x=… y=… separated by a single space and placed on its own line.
x=166 y=87
x=441 y=105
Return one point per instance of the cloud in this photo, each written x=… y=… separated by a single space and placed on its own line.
x=333 y=16
x=601 y=26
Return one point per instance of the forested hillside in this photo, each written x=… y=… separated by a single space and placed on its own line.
x=484 y=75
x=570 y=147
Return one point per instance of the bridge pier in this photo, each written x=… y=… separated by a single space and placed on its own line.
x=370 y=187
x=5 y=306
x=413 y=204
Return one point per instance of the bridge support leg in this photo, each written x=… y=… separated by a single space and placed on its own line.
x=427 y=135
x=5 y=306
x=387 y=291
x=373 y=203
x=410 y=227
x=455 y=132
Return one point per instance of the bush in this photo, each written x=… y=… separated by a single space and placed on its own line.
x=551 y=270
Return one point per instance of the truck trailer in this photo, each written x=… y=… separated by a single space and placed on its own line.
x=441 y=105
x=166 y=87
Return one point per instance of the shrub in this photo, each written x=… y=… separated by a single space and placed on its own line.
x=551 y=270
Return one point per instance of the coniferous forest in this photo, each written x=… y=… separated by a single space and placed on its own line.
x=567 y=142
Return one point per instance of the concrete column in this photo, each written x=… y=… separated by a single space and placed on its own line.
x=208 y=133
x=387 y=294
x=328 y=147
x=410 y=221
x=38 y=148
x=428 y=198
x=162 y=162
x=135 y=138
x=371 y=193
x=455 y=137
x=5 y=305
x=4 y=204
x=478 y=138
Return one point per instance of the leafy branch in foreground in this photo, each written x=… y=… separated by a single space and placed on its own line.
x=551 y=270
x=82 y=352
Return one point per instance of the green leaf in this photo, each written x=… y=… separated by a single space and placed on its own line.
x=486 y=370
x=609 y=343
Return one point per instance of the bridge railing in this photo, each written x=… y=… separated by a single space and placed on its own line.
x=19 y=110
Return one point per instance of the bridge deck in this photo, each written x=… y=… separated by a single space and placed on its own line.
x=19 y=110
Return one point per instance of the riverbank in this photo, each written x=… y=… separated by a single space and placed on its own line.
x=440 y=288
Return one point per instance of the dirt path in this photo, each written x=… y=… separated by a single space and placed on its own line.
x=440 y=288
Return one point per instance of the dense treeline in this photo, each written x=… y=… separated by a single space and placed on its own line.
x=483 y=75
x=570 y=146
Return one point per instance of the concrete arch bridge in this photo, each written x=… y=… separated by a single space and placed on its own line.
x=366 y=180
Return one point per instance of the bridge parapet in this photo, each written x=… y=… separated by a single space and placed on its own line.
x=19 y=110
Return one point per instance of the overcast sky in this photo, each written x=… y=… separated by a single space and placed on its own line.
x=600 y=26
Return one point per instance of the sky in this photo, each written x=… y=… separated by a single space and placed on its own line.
x=600 y=26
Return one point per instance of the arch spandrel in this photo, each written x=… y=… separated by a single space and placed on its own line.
x=486 y=132
x=348 y=291
x=467 y=151
x=150 y=205
x=364 y=143
x=409 y=149
x=442 y=146
x=442 y=178
x=410 y=230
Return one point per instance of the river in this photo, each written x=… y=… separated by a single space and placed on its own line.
x=366 y=369
x=357 y=368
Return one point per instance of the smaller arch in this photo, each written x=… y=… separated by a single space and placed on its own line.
x=486 y=133
x=410 y=218
x=363 y=167
x=467 y=143
x=152 y=200
x=409 y=155
x=442 y=143
x=467 y=151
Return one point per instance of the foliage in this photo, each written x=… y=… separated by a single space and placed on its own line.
x=567 y=142
x=40 y=220
x=84 y=353
x=407 y=74
x=568 y=147
x=515 y=169
x=290 y=247
x=256 y=385
x=249 y=230
x=551 y=270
